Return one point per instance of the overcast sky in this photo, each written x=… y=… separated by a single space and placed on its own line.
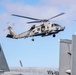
x=44 y=51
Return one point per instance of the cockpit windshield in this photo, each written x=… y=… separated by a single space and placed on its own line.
x=32 y=27
x=56 y=24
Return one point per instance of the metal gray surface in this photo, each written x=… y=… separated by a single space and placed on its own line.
x=3 y=63
x=4 y=70
x=65 y=56
x=74 y=55
x=32 y=71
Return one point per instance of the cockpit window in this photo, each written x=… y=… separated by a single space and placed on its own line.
x=52 y=25
x=55 y=24
x=32 y=27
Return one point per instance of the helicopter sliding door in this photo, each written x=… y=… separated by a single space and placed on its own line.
x=42 y=28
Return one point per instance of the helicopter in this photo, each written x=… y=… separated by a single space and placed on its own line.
x=45 y=28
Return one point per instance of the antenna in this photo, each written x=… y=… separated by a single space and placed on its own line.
x=21 y=63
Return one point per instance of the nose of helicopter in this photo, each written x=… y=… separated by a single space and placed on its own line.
x=62 y=28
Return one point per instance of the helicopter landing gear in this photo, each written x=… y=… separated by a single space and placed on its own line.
x=32 y=39
x=54 y=35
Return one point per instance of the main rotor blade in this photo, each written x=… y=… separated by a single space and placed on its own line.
x=25 y=17
x=56 y=16
x=34 y=21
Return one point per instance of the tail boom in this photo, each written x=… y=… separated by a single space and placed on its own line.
x=15 y=36
x=12 y=33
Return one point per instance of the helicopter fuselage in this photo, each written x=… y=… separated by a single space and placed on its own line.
x=45 y=30
x=40 y=30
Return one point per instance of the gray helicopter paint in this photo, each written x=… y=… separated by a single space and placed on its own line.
x=49 y=29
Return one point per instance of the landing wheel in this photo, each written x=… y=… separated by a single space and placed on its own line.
x=32 y=39
x=54 y=35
